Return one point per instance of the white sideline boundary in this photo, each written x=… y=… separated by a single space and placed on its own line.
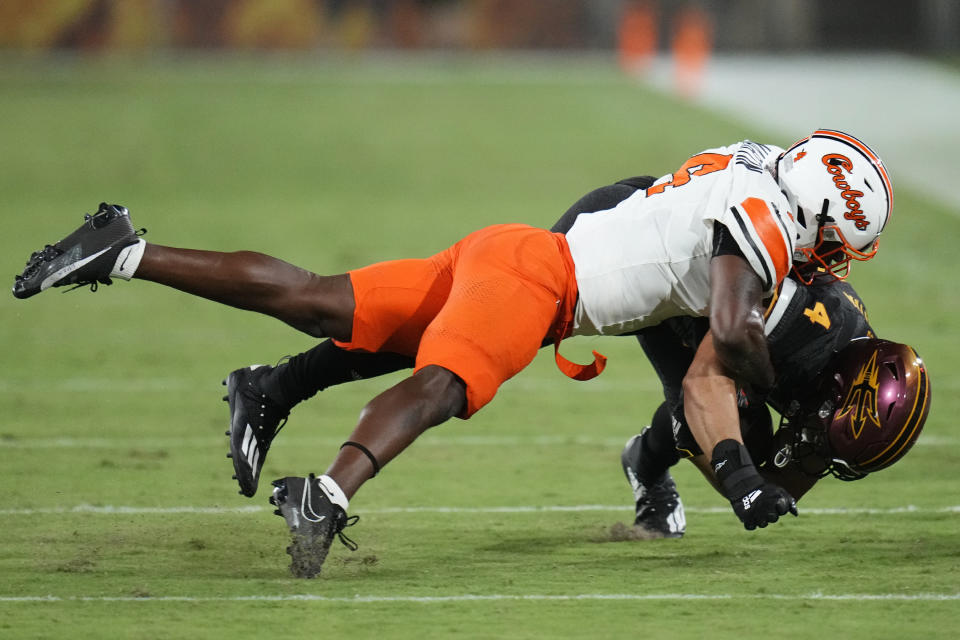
x=358 y=599
x=214 y=510
x=913 y=127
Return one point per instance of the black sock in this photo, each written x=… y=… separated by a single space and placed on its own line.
x=658 y=451
x=326 y=365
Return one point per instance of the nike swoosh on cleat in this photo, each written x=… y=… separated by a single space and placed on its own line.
x=125 y=258
x=52 y=279
x=305 y=504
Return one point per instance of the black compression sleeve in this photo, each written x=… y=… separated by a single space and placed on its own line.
x=600 y=200
x=326 y=365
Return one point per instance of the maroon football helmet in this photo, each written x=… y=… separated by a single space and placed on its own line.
x=868 y=409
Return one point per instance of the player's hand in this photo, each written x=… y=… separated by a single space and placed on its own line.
x=756 y=502
x=763 y=506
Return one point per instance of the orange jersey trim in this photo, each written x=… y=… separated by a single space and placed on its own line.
x=769 y=233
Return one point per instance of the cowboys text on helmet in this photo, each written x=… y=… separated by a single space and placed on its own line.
x=841 y=198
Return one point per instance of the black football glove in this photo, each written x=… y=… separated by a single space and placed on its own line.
x=762 y=506
x=757 y=503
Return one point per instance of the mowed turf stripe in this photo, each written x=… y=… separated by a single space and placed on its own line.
x=89 y=384
x=297 y=440
x=529 y=382
x=858 y=597
x=131 y=510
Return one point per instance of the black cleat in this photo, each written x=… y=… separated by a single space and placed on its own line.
x=313 y=520
x=659 y=508
x=85 y=257
x=255 y=420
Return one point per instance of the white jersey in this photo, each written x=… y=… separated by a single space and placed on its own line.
x=648 y=258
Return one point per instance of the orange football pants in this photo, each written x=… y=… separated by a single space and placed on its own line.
x=480 y=309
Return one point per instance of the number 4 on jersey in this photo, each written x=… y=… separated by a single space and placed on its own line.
x=818 y=315
x=699 y=165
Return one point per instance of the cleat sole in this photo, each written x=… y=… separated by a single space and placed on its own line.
x=305 y=560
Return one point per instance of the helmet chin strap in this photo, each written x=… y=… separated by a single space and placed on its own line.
x=822 y=217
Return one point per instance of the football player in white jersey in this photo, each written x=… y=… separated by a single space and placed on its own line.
x=839 y=199
x=652 y=256
x=712 y=239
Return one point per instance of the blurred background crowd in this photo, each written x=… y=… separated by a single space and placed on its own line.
x=634 y=28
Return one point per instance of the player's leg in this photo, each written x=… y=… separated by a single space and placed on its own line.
x=396 y=301
x=393 y=420
x=459 y=369
x=260 y=397
x=321 y=306
x=106 y=246
x=487 y=330
x=276 y=390
x=646 y=460
x=315 y=508
x=648 y=456
x=300 y=377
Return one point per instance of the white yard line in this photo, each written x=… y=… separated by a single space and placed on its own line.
x=359 y=599
x=519 y=509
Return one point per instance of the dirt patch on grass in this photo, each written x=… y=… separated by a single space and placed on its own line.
x=621 y=532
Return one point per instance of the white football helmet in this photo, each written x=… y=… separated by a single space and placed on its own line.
x=840 y=196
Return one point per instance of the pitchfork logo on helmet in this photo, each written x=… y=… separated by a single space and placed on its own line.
x=860 y=405
x=841 y=198
x=869 y=408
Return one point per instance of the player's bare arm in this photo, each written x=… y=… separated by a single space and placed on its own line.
x=711 y=410
x=710 y=398
x=733 y=351
x=736 y=321
x=710 y=407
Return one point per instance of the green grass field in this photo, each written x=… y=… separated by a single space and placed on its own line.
x=118 y=517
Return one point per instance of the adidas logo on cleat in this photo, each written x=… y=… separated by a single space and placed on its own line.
x=254 y=422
